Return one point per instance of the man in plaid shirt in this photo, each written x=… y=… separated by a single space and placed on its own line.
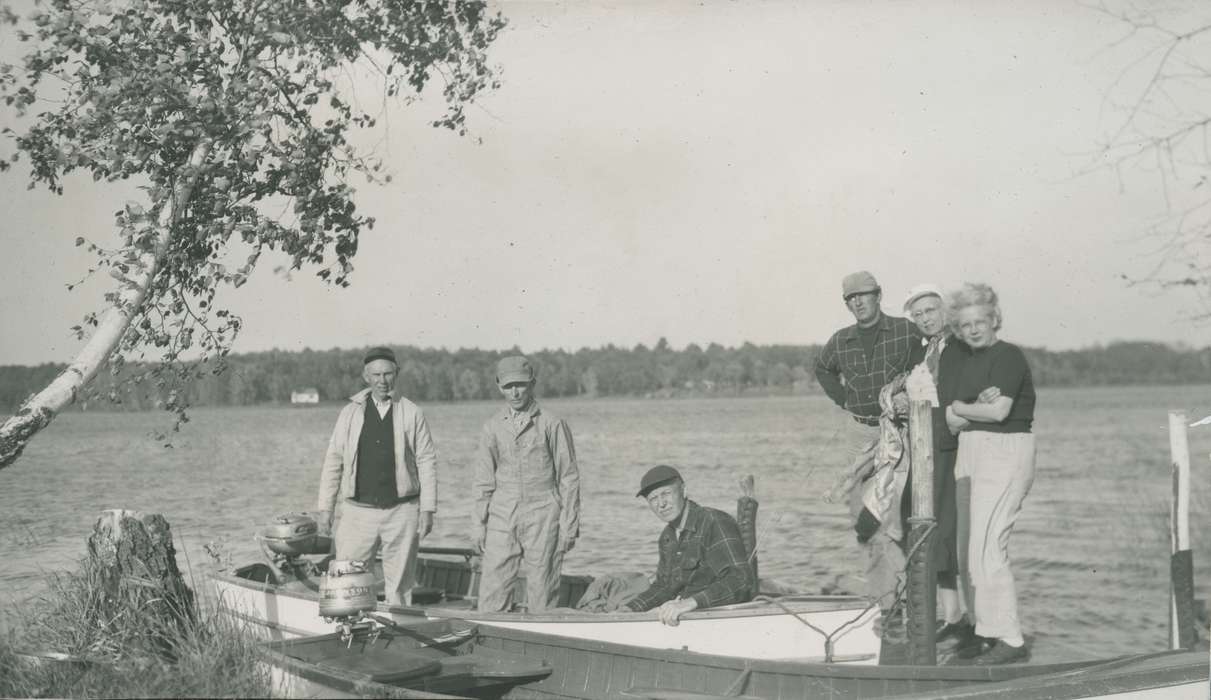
x=855 y=364
x=703 y=562
x=860 y=359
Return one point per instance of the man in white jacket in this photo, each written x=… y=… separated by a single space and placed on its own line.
x=382 y=468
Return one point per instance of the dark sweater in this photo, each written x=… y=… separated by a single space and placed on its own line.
x=376 y=459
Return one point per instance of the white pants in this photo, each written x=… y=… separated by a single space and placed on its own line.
x=361 y=531
x=993 y=474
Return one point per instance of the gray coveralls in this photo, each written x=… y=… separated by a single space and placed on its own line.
x=527 y=491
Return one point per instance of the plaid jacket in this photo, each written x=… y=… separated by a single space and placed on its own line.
x=708 y=563
x=852 y=382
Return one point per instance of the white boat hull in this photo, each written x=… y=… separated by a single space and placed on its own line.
x=759 y=630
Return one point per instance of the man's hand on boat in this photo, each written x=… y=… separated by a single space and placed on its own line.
x=425 y=526
x=671 y=611
x=323 y=519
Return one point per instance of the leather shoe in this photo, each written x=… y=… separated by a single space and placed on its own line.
x=954 y=634
x=1002 y=653
x=975 y=646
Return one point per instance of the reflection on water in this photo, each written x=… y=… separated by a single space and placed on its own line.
x=1090 y=549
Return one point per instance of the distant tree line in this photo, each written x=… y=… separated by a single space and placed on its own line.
x=429 y=375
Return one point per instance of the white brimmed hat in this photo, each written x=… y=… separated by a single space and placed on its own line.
x=921 y=290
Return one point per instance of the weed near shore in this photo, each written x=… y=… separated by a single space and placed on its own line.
x=117 y=649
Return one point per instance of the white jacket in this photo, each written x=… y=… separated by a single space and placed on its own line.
x=415 y=455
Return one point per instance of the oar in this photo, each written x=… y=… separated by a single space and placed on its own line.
x=452 y=637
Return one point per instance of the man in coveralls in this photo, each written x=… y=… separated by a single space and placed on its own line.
x=527 y=495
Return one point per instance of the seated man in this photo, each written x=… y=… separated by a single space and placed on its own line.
x=702 y=559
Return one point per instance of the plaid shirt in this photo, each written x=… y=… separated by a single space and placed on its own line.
x=852 y=382
x=708 y=563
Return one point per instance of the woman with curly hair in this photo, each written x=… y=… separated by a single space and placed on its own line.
x=992 y=411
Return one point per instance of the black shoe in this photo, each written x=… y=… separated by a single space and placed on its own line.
x=976 y=646
x=955 y=634
x=1002 y=653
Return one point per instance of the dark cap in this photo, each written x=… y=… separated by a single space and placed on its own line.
x=658 y=475
x=379 y=353
x=514 y=369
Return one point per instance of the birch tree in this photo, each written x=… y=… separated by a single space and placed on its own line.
x=231 y=118
x=1161 y=116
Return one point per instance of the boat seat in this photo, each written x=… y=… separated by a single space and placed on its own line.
x=496 y=668
x=456 y=604
x=375 y=662
x=647 y=693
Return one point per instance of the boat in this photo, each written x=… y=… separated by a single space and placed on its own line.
x=424 y=660
x=583 y=669
x=1164 y=675
x=280 y=598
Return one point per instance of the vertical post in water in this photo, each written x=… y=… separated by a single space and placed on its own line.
x=1181 y=561
x=922 y=579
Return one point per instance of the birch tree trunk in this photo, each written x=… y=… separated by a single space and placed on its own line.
x=41 y=408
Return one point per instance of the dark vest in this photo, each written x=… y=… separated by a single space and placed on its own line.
x=376 y=459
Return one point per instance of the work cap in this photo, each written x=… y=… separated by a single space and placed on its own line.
x=514 y=369
x=658 y=475
x=858 y=283
x=379 y=353
x=921 y=290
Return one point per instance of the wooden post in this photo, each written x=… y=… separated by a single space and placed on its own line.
x=922 y=579
x=1181 y=560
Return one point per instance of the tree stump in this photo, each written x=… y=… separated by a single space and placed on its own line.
x=135 y=564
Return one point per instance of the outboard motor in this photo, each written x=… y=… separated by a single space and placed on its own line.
x=291 y=534
x=285 y=539
x=347 y=595
x=347 y=590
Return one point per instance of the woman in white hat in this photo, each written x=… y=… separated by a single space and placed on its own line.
x=924 y=305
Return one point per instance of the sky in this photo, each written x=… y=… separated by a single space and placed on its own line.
x=707 y=172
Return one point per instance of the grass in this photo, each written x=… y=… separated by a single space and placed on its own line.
x=133 y=644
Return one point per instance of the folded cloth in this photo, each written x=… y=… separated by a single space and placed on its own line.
x=882 y=491
x=612 y=591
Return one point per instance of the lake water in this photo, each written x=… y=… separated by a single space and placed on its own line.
x=1090 y=550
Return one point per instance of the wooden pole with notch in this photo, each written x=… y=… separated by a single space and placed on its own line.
x=922 y=579
x=1181 y=560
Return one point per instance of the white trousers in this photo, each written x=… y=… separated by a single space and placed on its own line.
x=993 y=474
x=363 y=530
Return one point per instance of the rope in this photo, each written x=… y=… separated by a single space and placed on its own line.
x=898 y=591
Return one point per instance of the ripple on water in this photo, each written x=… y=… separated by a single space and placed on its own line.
x=1090 y=551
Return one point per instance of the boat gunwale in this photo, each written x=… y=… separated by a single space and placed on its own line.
x=813 y=668
x=1189 y=666
x=974 y=674
x=824 y=604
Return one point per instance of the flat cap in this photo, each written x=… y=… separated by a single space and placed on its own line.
x=381 y=352
x=658 y=475
x=514 y=368
x=858 y=283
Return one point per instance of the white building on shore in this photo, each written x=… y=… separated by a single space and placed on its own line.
x=307 y=396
